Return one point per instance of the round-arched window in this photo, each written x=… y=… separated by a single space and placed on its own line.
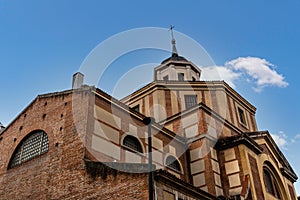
x=270 y=183
x=34 y=144
x=133 y=143
x=173 y=163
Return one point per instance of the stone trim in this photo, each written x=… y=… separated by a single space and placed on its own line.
x=233 y=141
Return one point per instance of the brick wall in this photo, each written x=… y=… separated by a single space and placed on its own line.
x=61 y=172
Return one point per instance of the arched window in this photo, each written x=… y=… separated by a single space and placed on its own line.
x=173 y=163
x=132 y=143
x=270 y=183
x=34 y=144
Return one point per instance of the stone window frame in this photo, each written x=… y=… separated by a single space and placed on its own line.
x=242 y=116
x=179 y=169
x=138 y=151
x=189 y=104
x=270 y=182
x=33 y=145
x=180 y=76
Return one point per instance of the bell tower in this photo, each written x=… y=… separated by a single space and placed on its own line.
x=176 y=68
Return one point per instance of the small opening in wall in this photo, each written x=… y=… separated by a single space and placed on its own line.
x=20 y=128
x=61 y=115
x=44 y=116
x=66 y=103
x=242 y=116
x=180 y=76
x=60 y=128
x=56 y=144
x=45 y=103
x=15 y=139
x=25 y=115
x=136 y=108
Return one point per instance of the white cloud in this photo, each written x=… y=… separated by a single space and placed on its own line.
x=280 y=139
x=220 y=73
x=296 y=138
x=258 y=69
x=251 y=69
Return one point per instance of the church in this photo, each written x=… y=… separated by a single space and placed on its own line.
x=176 y=138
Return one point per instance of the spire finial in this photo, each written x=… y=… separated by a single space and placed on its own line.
x=174 y=50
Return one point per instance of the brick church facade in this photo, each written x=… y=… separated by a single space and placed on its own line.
x=84 y=144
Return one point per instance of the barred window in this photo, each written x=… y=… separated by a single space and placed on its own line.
x=34 y=144
x=132 y=143
x=190 y=100
x=173 y=163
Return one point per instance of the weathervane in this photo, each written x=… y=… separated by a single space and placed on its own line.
x=174 y=50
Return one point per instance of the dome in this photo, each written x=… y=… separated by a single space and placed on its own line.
x=174 y=57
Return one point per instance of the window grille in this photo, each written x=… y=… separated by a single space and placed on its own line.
x=132 y=143
x=190 y=101
x=173 y=163
x=33 y=145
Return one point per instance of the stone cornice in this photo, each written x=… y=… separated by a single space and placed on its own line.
x=237 y=140
x=176 y=85
x=287 y=170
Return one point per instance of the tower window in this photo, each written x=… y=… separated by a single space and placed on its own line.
x=166 y=78
x=180 y=76
x=242 y=116
x=190 y=100
x=35 y=144
x=133 y=143
x=173 y=163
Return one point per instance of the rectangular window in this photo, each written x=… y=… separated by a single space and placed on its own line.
x=190 y=100
x=180 y=76
x=166 y=78
x=242 y=116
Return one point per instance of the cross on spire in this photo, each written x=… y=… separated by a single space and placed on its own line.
x=174 y=50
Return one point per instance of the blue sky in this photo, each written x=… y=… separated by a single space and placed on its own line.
x=42 y=43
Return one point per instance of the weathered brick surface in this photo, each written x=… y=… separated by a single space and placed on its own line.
x=60 y=173
x=68 y=119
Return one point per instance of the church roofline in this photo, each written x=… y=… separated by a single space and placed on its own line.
x=287 y=170
x=106 y=97
x=178 y=62
x=192 y=84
